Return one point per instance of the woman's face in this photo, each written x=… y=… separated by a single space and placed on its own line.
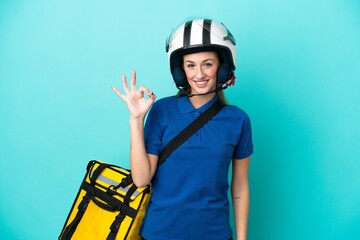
x=201 y=70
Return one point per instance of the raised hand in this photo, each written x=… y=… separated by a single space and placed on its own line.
x=136 y=102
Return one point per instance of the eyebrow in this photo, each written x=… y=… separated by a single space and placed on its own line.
x=208 y=59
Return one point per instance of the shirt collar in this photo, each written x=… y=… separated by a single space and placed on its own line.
x=185 y=105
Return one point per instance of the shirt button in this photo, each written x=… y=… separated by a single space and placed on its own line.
x=197 y=114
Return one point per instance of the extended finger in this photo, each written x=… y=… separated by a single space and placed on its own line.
x=118 y=92
x=133 y=81
x=125 y=85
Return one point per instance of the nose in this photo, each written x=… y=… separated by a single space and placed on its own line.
x=199 y=73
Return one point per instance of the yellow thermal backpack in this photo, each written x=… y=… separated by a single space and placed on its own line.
x=108 y=205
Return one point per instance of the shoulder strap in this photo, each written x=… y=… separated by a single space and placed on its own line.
x=189 y=131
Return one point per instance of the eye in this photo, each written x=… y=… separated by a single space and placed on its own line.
x=190 y=65
x=207 y=65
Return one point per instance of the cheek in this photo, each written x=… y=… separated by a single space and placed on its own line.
x=213 y=73
x=188 y=74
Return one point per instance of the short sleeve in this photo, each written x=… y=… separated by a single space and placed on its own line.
x=153 y=132
x=244 y=147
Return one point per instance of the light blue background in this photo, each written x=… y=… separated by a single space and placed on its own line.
x=298 y=77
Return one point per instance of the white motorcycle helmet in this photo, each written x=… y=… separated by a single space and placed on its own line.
x=201 y=35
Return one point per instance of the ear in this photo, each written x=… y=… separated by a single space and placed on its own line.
x=224 y=73
x=179 y=77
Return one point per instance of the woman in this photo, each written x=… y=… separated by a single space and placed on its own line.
x=190 y=188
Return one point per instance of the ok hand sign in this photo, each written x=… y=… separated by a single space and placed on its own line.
x=136 y=102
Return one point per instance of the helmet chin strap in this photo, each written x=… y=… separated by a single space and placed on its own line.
x=219 y=88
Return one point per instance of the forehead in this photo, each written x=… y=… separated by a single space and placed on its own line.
x=200 y=56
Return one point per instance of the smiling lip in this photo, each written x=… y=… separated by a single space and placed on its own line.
x=201 y=83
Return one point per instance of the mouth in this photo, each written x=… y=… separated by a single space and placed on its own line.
x=201 y=83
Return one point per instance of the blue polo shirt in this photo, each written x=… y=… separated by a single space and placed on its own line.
x=190 y=189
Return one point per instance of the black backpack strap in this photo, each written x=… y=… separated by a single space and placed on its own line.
x=189 y=131
x=114 y=228
x=70 y=229
x=93 y=176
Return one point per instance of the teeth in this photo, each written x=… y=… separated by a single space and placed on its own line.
x=200 y=82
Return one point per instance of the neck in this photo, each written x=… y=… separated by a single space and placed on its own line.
x=200 y=100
